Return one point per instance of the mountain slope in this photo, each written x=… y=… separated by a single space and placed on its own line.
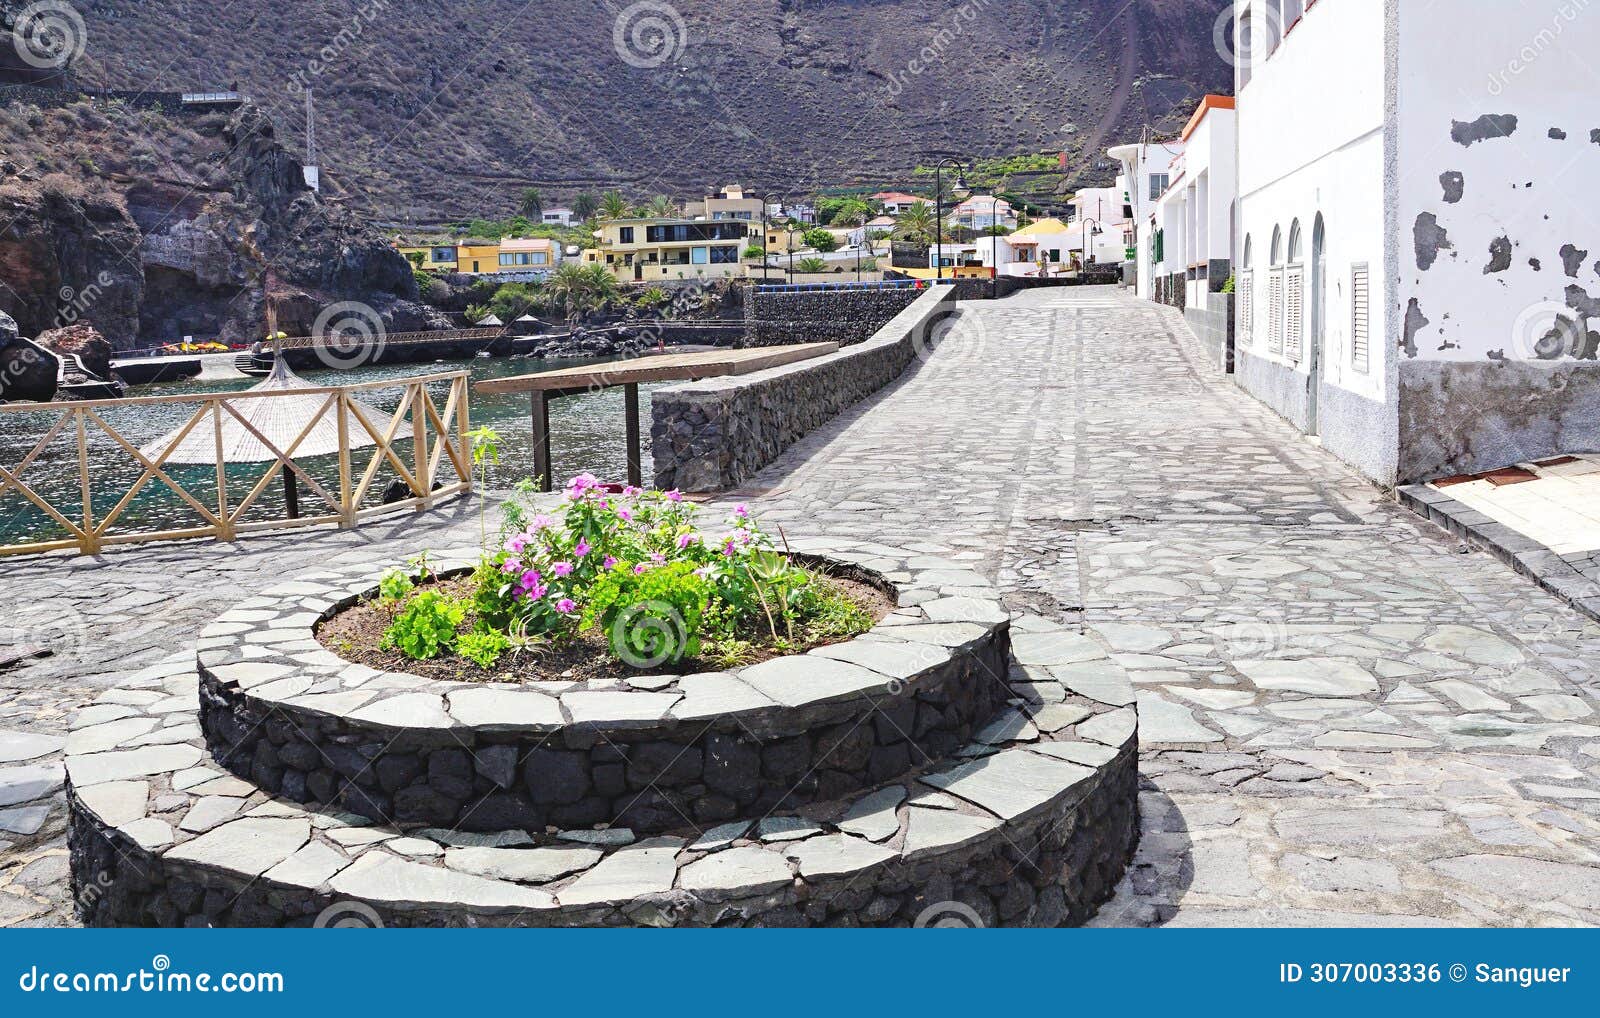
x=435 y=108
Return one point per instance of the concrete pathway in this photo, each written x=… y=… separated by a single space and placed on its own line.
x=1348 y=719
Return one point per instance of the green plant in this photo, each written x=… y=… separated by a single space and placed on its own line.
x=394 y=585
x=484 y=648
x=425 y=626
x=754 y=251
x=811 y=265
x=820 y=240
x=1227 y=287
x=532 y=204
x=477 y=312
x=650 y=618
x=419 y=564
x=485 y=451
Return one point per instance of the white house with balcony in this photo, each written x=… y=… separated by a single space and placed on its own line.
x=1416 y=233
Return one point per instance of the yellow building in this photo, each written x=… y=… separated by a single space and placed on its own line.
x=437 y=256
x=651 y=249
x=478 y=255
x=528 y=254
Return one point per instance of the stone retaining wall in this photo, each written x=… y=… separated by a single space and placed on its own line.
x=714 y=434
x=845 y=317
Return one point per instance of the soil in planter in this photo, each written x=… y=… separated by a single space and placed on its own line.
x=356 y=634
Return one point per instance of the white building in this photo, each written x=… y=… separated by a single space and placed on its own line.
x=558 y=216
x=896 y=203
x=1415 y=229
x=1194 y=226
x=982 y=211
x=1147 y=170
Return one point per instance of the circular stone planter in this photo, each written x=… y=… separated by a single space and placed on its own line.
x=651 y=753
x=1031 y=823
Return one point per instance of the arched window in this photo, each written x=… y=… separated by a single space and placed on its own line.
x=1294 y=296
x=1245 y=296
x=1275 y=294
x=1246 y=259
x=1277 y=245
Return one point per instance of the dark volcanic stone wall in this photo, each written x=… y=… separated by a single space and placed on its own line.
x=845 y=317
x=712 y=435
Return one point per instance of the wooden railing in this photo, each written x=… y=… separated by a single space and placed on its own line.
x=440 y=452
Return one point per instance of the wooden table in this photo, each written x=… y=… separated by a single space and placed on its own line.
x=546 y=386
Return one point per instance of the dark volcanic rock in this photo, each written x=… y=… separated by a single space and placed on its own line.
x=27 y=372
x=82 y=341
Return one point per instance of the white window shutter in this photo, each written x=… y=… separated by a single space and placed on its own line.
x=1360 y=317
x=1275 y=312
x=1294 y=313
x=1245 y=320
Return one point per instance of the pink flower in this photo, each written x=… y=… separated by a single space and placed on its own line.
x=566 y=606
x=658 y=558
x=674 y=495
x=684 y=540
x=741 y=511
x=610 y=561
x=727 y=547
x=641 y=567
x=517 y=543
x=625 y=515
x=562 y=568
x=581 y=484
x=511 y=566
x=543 y=522
x=581 y=548
x=630 y=491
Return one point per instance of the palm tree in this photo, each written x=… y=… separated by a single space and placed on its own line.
x=585 y=205
x=853 y=212
x=532 y=203
x=614 y=206
x=917 y=224
x=581 y=288
x=661 y=207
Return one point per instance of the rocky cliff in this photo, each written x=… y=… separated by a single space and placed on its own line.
x=436 y=108
x=152 y=226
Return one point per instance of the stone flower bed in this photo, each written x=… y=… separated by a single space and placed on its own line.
x=1030 y=822
x=653 y=753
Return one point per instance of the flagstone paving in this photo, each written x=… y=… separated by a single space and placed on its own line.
x=1346 y=716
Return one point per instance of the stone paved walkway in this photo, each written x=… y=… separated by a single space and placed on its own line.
x=1347 y=718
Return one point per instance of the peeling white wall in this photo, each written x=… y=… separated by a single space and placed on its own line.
x=1539 y=62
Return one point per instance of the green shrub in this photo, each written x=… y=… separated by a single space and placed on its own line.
x=426 y=626
x=485 y=648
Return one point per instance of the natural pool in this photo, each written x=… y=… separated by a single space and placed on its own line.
x=587 y=432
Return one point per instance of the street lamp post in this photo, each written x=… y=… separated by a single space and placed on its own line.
x=766 y=203
x=938 y=207
x=789 y=233
x=1088 y=234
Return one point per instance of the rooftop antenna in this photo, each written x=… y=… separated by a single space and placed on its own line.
x=312 y=173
